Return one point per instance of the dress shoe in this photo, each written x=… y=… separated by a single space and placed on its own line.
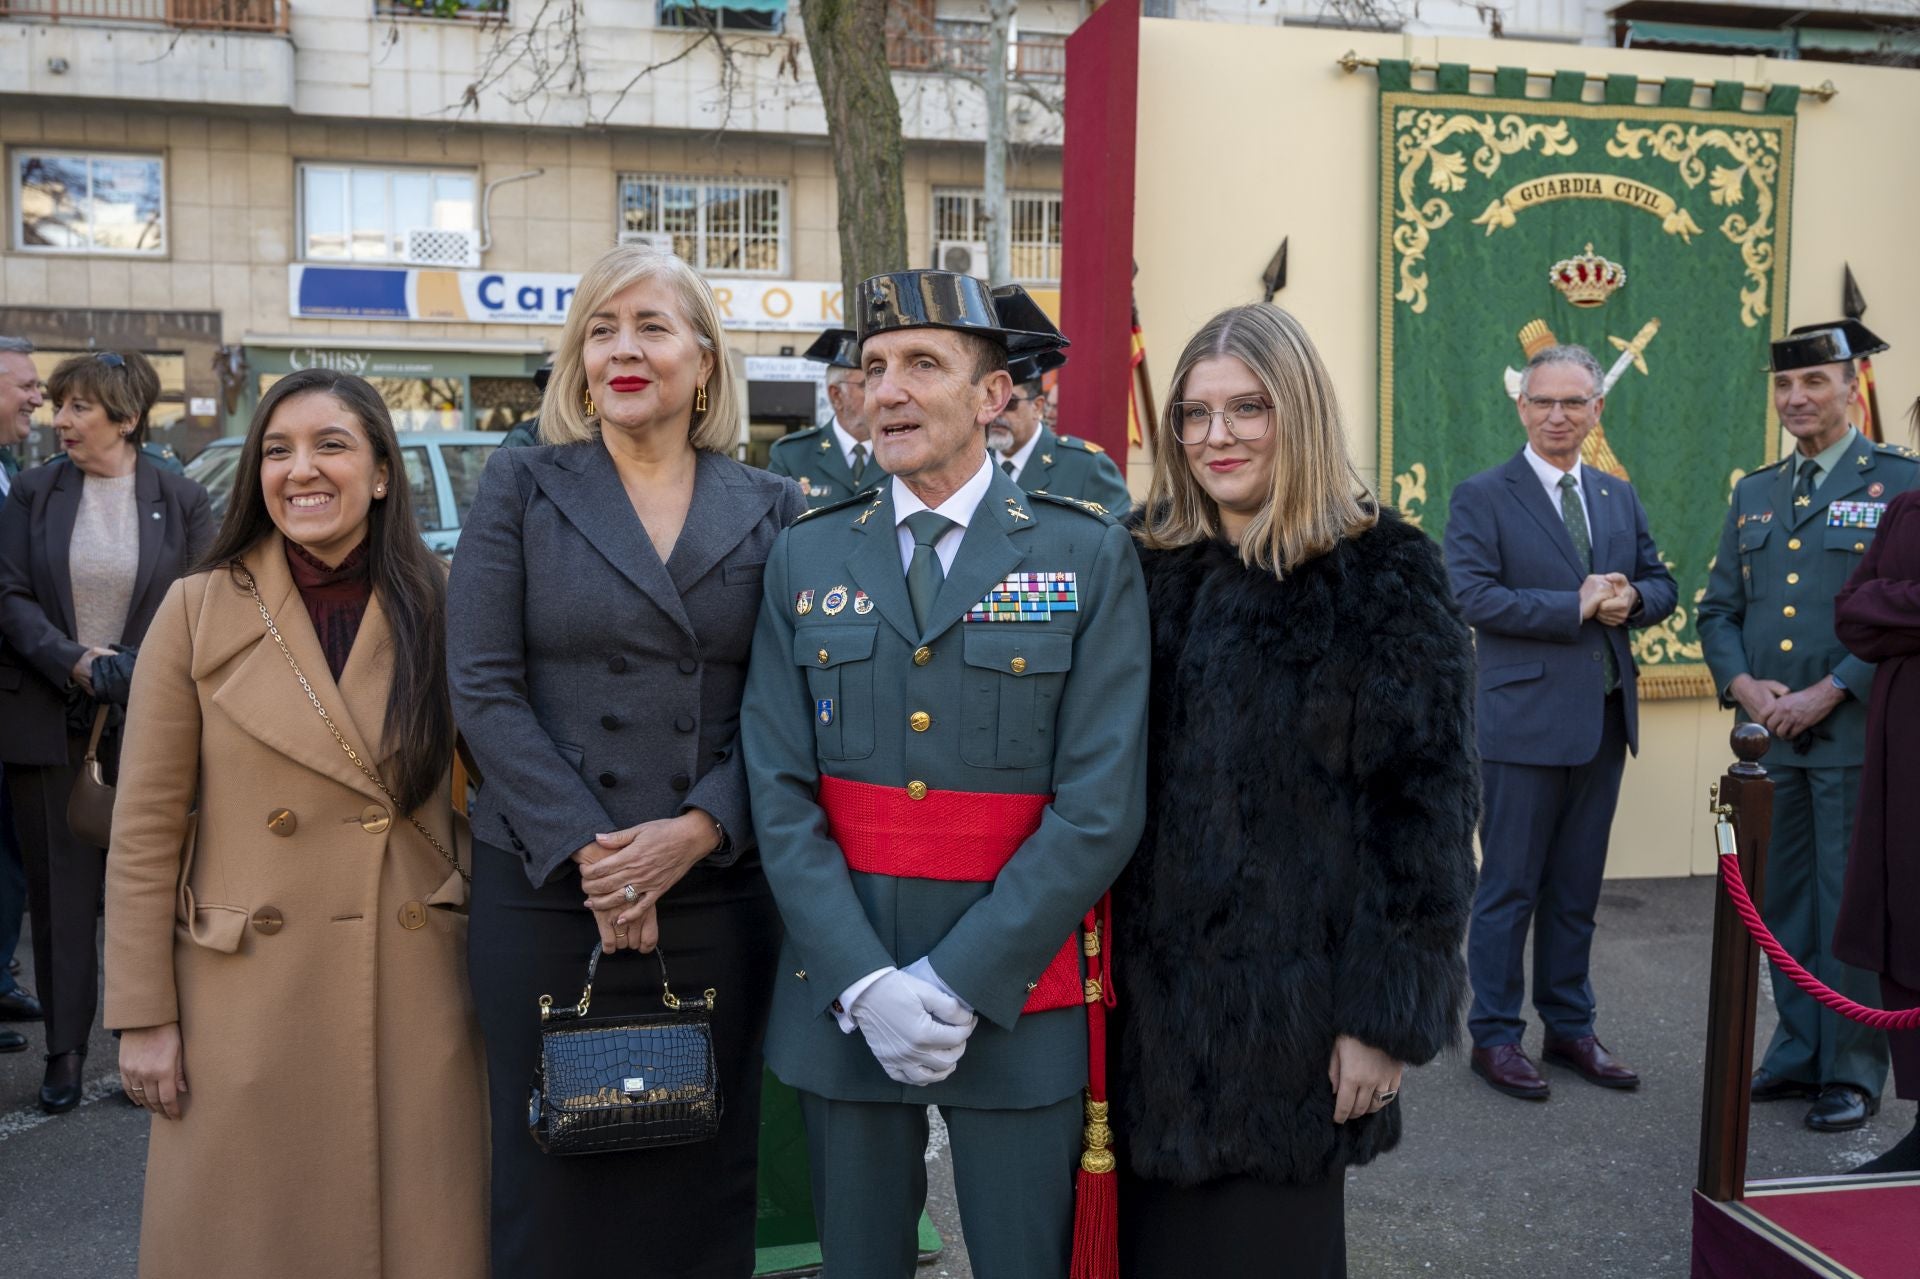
x=19 y=1004
x=1768 y=1086
x=12 y=1041
x=1841 y=1108
x=60 y=1091
x=1590 y=1058
x=1508 y=1069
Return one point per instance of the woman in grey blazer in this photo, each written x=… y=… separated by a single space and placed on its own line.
x=599 y=617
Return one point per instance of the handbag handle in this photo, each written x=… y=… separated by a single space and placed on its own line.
x=667 y=996
x=92 y=759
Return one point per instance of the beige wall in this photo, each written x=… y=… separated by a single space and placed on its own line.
x=1248 y=135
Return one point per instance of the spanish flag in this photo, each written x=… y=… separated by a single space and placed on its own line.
x=1139 y=392
x=1860 y=411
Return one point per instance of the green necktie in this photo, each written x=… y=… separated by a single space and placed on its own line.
x=1575 y=517
x=859 y=462
x=924 y=573
x=1803 y=488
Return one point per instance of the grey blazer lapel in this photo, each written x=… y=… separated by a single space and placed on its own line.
x=727 y=504
x=1526 y=491
x=580 y=479
x=150 y=506
x=61 y=512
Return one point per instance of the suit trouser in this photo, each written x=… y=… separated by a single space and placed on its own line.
x=13 y=887
x=1543 y=853
x=65 y=882
x=1013 y=1171
x=1806 y=870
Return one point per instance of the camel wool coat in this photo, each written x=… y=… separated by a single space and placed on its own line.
x=303 y=937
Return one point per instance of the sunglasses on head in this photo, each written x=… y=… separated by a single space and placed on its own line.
x=112 y=359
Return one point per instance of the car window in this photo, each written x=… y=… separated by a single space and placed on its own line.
x=464 y=463
x=214 y=469
x=420 y=486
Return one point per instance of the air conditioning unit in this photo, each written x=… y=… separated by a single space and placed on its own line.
x=431 y=246
x=661 y=241
x=966 y=257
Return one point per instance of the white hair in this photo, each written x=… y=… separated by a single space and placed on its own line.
x=1578 y=356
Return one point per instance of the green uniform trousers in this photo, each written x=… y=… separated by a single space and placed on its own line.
x=1806 y=868
x=1013 y=1171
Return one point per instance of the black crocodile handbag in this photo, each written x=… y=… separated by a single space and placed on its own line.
x=606 y=1084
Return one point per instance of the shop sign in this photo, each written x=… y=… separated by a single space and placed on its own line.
x=428 y=295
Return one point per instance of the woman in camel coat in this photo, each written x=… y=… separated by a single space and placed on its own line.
x=290 y=975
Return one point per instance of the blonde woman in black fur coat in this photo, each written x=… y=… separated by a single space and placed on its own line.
x=1288 y=937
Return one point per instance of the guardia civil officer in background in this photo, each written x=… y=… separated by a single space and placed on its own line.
x=1795 y=532
x=944 y=730
x=832 y=463
x=1041 y=460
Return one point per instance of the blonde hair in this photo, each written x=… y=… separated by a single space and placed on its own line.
x=563 y=416
x=1318 y=499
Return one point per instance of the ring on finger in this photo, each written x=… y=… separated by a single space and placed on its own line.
x=1386 y=1098
x=631 y=893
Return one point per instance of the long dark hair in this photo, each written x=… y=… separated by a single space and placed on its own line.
x=407 y=578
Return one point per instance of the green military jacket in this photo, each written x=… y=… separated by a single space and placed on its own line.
x=1768 y=609
x=1068 y=466
x=842 y=683
x=813 y=459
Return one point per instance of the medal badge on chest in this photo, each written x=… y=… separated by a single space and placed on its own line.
x=835 y=601
x=862 y=603
x=803 y=603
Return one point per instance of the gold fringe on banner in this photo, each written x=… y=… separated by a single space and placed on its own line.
x=1664 y=683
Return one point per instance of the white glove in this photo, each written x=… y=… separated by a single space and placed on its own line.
x=915 y=1032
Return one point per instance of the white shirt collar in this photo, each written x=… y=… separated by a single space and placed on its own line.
x=959 y=507
x=847 y=442
x=1549 y=475
x=1020 y=455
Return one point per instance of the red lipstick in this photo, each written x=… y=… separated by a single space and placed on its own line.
x=625 y=384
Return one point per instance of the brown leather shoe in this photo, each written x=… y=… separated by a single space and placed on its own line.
x=1590 y=1057
x=1508 y=1069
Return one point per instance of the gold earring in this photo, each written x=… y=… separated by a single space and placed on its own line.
x=700 y=398
x=586 y=399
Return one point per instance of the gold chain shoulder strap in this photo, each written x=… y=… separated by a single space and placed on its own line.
x=327 y=719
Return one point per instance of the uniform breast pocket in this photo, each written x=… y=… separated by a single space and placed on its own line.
x=839 y=665
x=1011 y=688
x=1753 y=542
x=1851 y=541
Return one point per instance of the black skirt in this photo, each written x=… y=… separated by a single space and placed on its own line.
x=1235 y=1226
x=685 y=1212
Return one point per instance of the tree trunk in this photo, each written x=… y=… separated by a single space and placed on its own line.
x=848 y=42
x=993 y=197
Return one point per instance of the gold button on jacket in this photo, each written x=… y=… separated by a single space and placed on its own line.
x=1018 y=665
x=916 y=790
x=281 y=821
x=267 y=920
x=1786 y=646
x=922 y=655
x=413 y=915
x=920 y=721
x=374 y=819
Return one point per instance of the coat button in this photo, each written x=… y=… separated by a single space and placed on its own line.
x=822 y=656
x=617 y=664
x=683 y=723
x=1793 y=579
x=1793 y=544
x=413 y=915
x=680 y=781
x=1018 y=665
x=267 y=920
x=916 y=790
x=1786 y=646
x=922 y=655
x=610 y=722
x=688 y=666
x=608 y=780
x=921 y=721
x=374 y=819
x=1595 y=655
x=1789 y=610
x=281 y=821
x=1859 y=546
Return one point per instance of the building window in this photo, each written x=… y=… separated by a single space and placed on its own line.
x=734 y=226
x=1035 y=219
x=359 y=214
x=734 y=15
x=81 y=202
x=441 y=8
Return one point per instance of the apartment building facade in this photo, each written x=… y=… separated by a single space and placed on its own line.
x=242 y=188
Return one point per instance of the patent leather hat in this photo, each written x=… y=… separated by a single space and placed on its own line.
x=949 y=300
x=1031 y=368
x=838 y=348
x=1837 y=342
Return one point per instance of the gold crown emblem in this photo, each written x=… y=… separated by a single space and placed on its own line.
x=1588 y=280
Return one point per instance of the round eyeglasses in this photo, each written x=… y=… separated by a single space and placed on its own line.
x=1247 y=418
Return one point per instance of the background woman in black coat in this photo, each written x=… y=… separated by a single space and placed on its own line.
x=1288 y=935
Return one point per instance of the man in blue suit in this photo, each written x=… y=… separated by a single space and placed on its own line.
x=1552 y=563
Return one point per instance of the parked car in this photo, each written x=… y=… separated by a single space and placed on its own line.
x=443 y=472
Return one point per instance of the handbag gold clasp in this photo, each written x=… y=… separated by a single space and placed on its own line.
x=546 y=1007
x=586 y=997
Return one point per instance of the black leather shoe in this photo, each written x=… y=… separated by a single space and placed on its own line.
x=1841 y=1108
x=19 y=1004
x=1768 y=1086
x=60 y=1091
x=12 y=1041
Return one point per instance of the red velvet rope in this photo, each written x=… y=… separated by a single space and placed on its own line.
x=1878 y=1018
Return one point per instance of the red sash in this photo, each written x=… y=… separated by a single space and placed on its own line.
x=954 y=836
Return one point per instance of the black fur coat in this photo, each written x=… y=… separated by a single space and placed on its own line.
x=1307 y=866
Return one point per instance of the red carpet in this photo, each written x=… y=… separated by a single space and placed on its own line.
x=1835 y=1228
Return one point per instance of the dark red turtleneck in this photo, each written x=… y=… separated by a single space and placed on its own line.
x=336 y=599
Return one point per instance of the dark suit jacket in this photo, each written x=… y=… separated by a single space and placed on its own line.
x=36 y=591
x=1541 y=674
x=596 y=687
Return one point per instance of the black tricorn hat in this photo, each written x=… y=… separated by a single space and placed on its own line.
x=1031 y=368
x=838 y=348
x=949 y=300
x=1836 y=342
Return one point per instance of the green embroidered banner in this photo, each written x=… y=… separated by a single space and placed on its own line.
x=1655 y=236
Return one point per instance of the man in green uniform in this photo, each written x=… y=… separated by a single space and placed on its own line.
x=944 y=729
x=1040 y=460
x=834 y=462
x=1794 y=533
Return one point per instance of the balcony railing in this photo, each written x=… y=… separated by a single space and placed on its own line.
x=194 y=15
x=913 y=45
